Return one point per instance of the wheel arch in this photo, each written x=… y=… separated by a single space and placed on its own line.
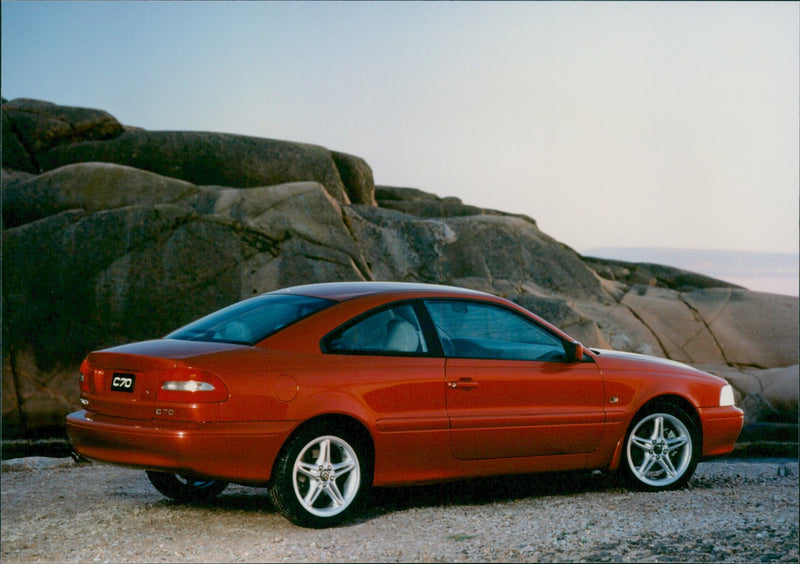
x=342 y=421
x=651 y=406
x=666 y=401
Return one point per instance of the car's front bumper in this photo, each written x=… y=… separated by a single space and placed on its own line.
x=721 y=428
x=236 y=452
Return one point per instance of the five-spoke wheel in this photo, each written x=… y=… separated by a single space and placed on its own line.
x=320 y=478
x=661 y=449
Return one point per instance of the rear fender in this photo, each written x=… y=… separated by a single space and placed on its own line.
x=327 y=403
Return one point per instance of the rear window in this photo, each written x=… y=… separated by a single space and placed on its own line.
x=251 y=321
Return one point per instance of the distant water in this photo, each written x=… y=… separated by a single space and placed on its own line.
x=775 y=273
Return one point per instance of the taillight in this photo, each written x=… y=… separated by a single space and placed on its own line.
x=86 y=373
x=187 y=385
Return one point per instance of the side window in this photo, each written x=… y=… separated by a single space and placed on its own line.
x=394 y=330
x=476 y=330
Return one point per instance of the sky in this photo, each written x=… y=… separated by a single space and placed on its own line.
x=613 y=124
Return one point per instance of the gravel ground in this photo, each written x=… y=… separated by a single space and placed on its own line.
x=732 y=511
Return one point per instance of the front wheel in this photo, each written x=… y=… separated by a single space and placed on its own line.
x=321 y=478
x=661 y=449
x=185 y=488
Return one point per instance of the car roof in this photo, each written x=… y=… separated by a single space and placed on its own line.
x=342 y=291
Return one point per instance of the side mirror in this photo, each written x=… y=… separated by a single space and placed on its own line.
x=573 y=351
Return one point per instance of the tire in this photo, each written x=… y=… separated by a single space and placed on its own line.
x=186 y=488
x=662 y=448
x=321 y=477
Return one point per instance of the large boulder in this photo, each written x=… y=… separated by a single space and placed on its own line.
x=203 y=158
x=781 y=387
x=422 y=204
x=495 y=250
x=40 y=136
x=765 y=394
x=723 y=326
x=91 y=187
x=356 y=175
x=12 y=177
x=15 y=156
x=123 y=254
x=31 y=127
x=750 y=328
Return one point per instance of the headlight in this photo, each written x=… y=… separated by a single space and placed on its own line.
x=726 y=396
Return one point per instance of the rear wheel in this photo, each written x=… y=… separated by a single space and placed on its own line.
x=662 y=449
x=321 y=477
x=186 y=488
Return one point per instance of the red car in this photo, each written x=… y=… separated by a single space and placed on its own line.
x=320 y=392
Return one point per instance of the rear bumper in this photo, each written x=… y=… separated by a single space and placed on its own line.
x=721 y=428
x=241 y=452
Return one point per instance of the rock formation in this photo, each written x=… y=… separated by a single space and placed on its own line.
x=113 y=234
x=39 y=136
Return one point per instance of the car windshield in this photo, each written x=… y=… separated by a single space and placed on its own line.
x=251 y=321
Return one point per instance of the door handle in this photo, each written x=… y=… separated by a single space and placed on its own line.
x=464 y=384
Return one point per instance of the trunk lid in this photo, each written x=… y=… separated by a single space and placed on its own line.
x=125 y=381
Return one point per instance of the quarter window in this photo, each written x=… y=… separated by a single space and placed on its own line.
x=477 y=330
x=391 y=331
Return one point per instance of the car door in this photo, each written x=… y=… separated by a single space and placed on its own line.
x=385 y=355
x=510 y=391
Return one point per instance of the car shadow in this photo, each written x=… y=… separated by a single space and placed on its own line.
x=235 y=498
x=479 y=491
x=473 y=491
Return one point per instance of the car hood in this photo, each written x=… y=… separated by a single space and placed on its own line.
x=610 y=360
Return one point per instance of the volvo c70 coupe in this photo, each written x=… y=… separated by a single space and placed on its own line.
x=320 y=392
